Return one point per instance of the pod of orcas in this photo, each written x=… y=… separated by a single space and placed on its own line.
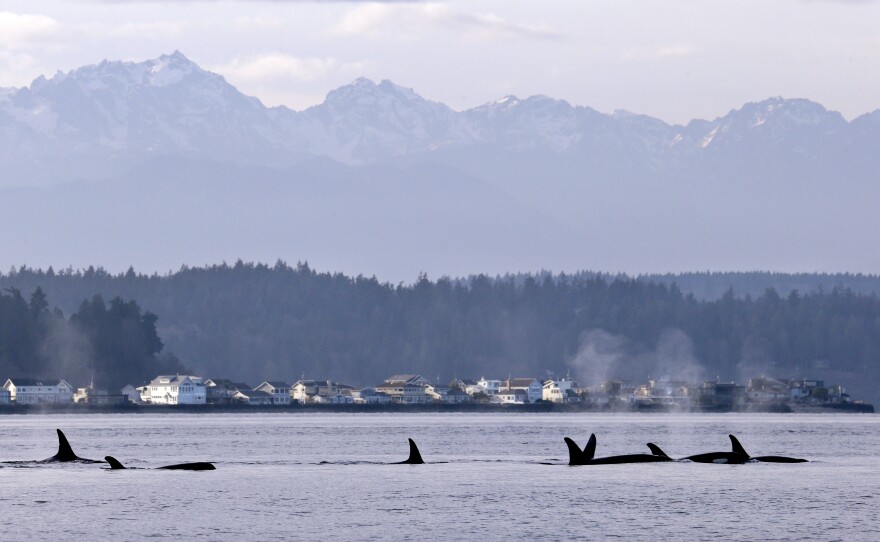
x=576 y=456
x=736 y=456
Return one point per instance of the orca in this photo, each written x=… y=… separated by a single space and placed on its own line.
x=576 y=456
x=65 y=453
x=116 y=465
x=415 y=458
x=736 y=456
x=765 y=458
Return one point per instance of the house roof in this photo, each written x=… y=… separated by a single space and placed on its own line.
x=520 y=382
x=275 y=384
x=219 y=383
x=313 y=383
x=17 y=382
x=175 y=379
x=403 y=379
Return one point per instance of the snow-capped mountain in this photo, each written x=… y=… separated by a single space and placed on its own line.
x=105 y=118
x=108 y=117
x=379 y=179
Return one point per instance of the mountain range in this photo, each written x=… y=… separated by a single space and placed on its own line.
x=160 y=163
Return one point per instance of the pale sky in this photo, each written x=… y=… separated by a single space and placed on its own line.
x=672 y=59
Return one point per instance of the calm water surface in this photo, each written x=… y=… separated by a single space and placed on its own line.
x=487 y=479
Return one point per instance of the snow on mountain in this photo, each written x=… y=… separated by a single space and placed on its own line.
x=102 y=119
x=363 y=122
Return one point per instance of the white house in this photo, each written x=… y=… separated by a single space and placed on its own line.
x=280 y=391
x=369 y=396
x=176 y=390
x=32 y=391
x=5 y=397
x=489 y=387
x=315 y=391
x=532 y=386
x=406 y=389
x=511 y=396
x=767 y=390
x=560 y=391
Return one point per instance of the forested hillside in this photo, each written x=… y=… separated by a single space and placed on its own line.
x=253 y=322
x=712 y=285
x=116 y=342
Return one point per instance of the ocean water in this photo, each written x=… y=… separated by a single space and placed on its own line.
x=324 y=476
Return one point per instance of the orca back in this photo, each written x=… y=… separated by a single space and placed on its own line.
x=719 y=458
x=779 y=459
x=190 y=466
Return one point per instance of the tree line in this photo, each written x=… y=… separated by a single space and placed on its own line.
x=113 y=343
x=255 y=321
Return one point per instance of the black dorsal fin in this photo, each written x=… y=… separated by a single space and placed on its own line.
x=737 y=447
x=590 y=448
x=114 y=463
x=656 y=450
x=415 y=458
x=65 y=452
x=574 y=452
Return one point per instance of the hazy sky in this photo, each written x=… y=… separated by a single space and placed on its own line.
x=674 y=59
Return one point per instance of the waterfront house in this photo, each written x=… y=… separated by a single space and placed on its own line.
x=457 y=396
x=98 y=396
x=532 y=386
x=563 y=390
x=131 y=394
x=447 y=394
x=713 y=395
x=5 y=397
x=511 y=396
x=220 y=391
x=253 y=397
x=314 y=391
x=336 y=399
x=662 y=393
x=34 y=391
x=406 y=389
x=767 y=390
x=489 y=387
x=176 y=390
x=370 y=396
x=461 y=383
x=280 y=391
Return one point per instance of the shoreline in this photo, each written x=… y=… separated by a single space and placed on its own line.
x=853 y=408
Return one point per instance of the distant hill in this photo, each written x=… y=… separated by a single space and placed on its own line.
x=713 y=285
x=377 y=179
x=250 y=322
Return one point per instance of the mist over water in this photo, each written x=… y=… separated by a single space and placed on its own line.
x=604 y=356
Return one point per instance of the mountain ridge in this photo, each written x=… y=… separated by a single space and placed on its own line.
x=379 y=180
x=116 y=112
